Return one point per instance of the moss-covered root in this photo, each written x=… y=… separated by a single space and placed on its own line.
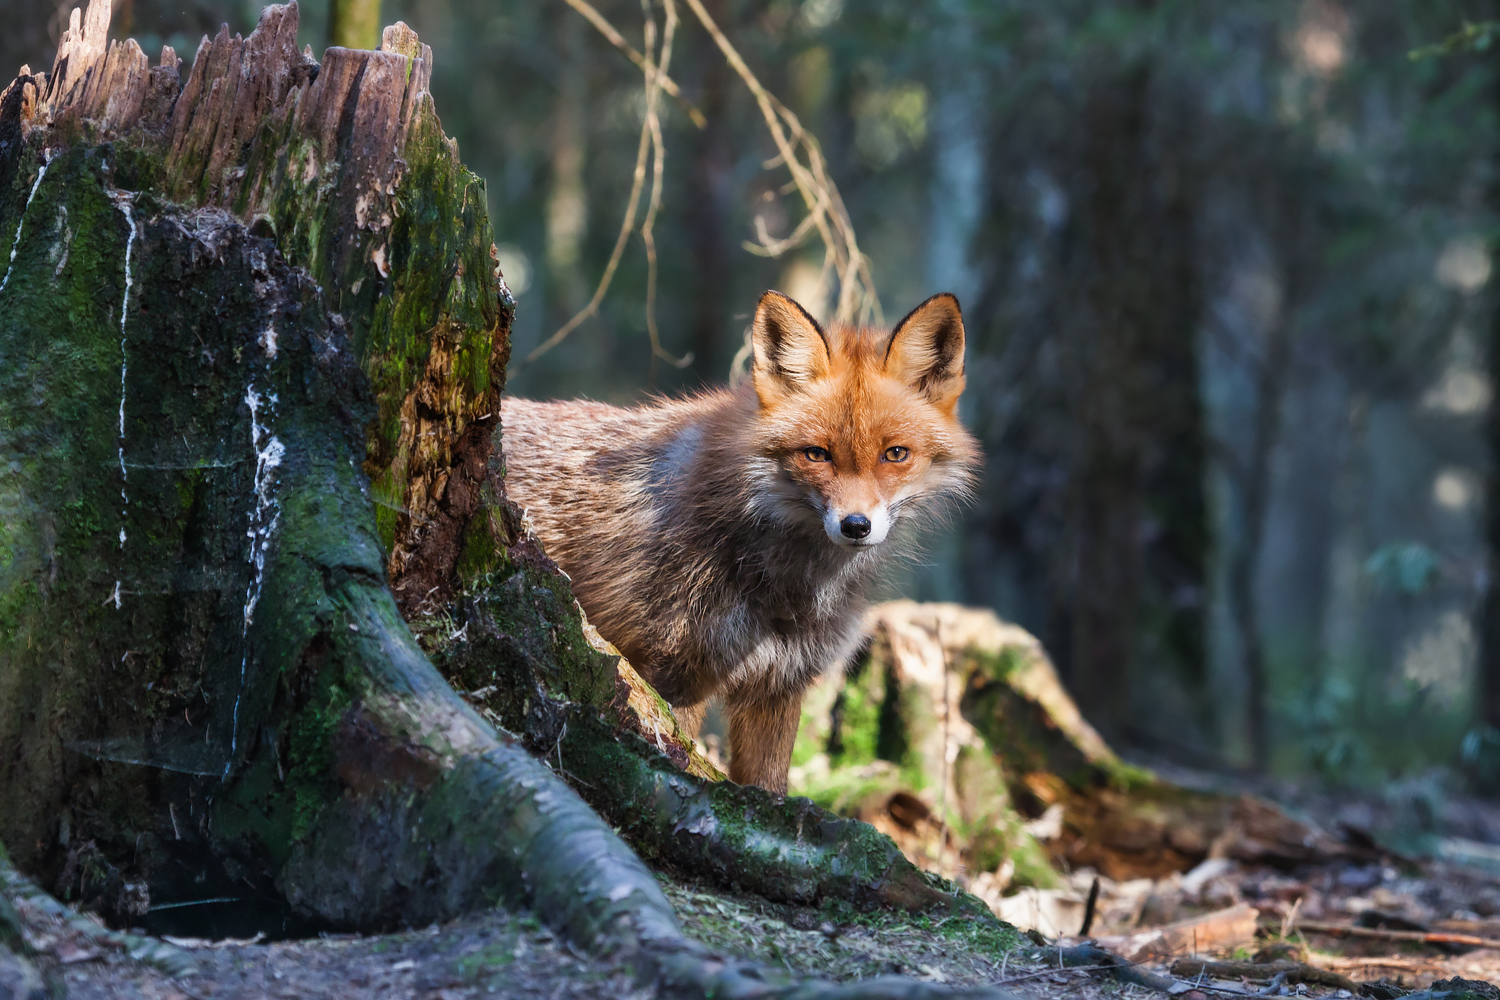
x=14 y=886
x=785 y=849
x=441 y=814
x=1456 y=989
x=538 y=673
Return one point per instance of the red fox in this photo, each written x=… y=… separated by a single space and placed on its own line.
x=725 y=541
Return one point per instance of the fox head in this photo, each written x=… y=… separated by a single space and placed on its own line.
x=860 y=425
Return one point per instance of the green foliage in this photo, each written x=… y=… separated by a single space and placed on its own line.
x=1470 y=38
x=1405 y=568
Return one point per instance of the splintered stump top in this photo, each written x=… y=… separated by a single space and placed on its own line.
x=344 y=166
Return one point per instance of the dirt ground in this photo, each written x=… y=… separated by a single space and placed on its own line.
x=513 y=955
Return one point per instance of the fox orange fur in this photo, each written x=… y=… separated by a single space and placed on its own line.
x=725 y=541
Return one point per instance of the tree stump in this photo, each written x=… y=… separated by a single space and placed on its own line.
x=953 y=733
x=252 y=340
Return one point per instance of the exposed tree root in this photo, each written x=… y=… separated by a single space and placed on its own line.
x=542 y=679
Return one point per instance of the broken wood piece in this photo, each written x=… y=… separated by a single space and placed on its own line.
x=1221 y=930
x=1423 y=937
x=1292 y=972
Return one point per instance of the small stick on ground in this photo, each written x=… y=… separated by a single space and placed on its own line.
x=1292 y=972
x=1089 y=908
x=1424 y=937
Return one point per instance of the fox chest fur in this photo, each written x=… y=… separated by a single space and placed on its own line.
x=676 y=554
x=725 y=542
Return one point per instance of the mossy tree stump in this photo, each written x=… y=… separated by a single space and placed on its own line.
x=252 y=340
x=953 y=733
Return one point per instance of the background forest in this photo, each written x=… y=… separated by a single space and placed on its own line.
x=1224 y=269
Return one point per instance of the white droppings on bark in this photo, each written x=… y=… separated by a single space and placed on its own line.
x=269 y=452
x=125 y=202
x=15 y=244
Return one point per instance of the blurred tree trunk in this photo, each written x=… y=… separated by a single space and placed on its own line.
x=1489 y=639
x=354 y=24
x=1254 y=484
x=1135 y=560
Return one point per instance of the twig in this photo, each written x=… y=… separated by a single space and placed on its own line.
x=1296 y=972
x=1290 y=920
x=1340 y=962
x=1425 y=937
x=653 y=92
x=648 y=234
x=618 y=41
x=857 y=298
x=1050 y=971
x=1092 y=955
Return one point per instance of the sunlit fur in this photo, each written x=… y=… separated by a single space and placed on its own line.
x=704 y=542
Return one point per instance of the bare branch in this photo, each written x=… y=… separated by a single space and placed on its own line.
x=857 y=298
x=648 y=236
x=618 y=41
x=653 y=89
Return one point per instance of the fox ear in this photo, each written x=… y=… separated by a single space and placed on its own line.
x=926 y=350
x=790 y=349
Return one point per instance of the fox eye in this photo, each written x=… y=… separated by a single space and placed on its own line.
x=816 y=454
x=896 y=453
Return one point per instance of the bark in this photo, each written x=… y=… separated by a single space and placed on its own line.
x=251 y=346
x=1010 y=722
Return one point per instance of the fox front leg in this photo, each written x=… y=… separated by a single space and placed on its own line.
x=762 y=729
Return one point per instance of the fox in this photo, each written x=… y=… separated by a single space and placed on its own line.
x=726 y=541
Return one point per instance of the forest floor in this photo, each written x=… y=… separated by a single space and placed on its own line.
x=513 y=955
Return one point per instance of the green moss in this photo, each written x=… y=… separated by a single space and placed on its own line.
x=311 y=745
x=484 y=553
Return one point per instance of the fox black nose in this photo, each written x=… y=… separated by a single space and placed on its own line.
x=855 y=526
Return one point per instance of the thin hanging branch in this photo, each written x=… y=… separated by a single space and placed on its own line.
x=857 y=299
x=627 y=225
x=797 y=150
x=648 y=234
x=618 y=41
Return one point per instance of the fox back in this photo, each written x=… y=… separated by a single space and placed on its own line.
x=725 y=541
